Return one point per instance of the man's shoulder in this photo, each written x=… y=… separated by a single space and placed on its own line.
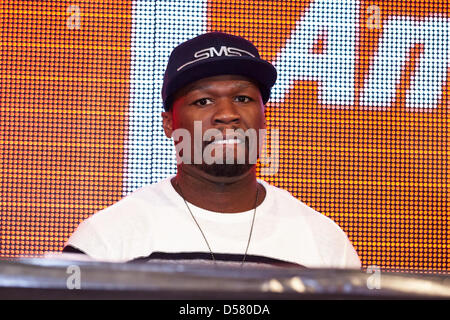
x=159 y=189
x=148 y=195
x=121 y=230
x=292 y=207
x=323 y=235
x=284 y=198
x=132 y=211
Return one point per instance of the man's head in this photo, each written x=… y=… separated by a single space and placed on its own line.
x=219 y=82
x=212 y=54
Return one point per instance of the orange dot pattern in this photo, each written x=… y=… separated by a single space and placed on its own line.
x=64 y=97
x=382 y=175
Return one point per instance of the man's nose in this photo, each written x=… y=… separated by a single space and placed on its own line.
x=226 y=112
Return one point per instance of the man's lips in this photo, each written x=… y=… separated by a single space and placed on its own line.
x=226 y=141
x=223 y=140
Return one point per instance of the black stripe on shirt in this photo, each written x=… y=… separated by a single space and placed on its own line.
x=218 y=256
x=70 y=249
x=228 y=257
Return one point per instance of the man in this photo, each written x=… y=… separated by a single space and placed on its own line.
x=215 y=208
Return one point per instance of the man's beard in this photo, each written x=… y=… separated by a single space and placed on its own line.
x=225 y=170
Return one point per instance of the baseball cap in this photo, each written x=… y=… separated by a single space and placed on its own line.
x=212 y=54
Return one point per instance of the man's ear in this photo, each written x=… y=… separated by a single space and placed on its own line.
x=167 y=123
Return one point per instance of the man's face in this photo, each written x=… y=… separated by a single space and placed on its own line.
x=228 y=104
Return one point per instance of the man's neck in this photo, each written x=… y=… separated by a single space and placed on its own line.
x=219 y=194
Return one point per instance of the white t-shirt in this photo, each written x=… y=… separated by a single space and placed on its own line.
x=155 y=219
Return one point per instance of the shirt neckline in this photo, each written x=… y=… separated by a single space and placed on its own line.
x=212 y=215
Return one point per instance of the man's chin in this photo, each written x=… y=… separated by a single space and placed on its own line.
x=225 y=170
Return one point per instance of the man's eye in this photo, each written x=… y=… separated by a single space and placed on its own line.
x=203 y=102
x=243 y=99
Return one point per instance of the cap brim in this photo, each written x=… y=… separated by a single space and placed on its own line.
x=258 y=70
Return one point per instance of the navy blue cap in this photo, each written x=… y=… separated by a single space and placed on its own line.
x=212 y=54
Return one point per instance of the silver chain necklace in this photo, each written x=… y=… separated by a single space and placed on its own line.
x=204 y=237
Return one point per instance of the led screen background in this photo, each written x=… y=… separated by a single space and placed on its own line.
x=361 y=106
